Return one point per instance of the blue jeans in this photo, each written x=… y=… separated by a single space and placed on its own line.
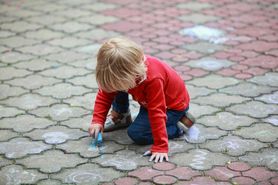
x=140 y=130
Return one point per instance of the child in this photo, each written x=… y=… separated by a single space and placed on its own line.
x=122 y=69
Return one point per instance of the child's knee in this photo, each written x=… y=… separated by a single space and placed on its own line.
x=136 y=136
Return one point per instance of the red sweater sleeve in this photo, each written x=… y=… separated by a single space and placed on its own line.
x=157 y=114
x=102 y=105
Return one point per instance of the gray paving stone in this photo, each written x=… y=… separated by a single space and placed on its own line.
x=37 y=64
x=7 y=134
x=99 y=6
x=119 y=136
x=16 y=175
x=89 y=64
x=64 y=72
x=269 y=98
x=33 y=82
x=4 y=34
x=247 y=89
x=46 y=19
x=124 y=160
x=67 y=57
x=62 y=90
x=194 y=6
x=40 y=49
x=272 y=120
x=201 y=110
x=91 y=49
x=88 y=174
x=20 y=26
x=204 y=47
x=226 y=121
x=9 y=111
x=56 y=134
x=97 y=34
x=80 y=122
x=9 y=91
x=213 y=81
x=44 y=34
x=8 y=73
x=72 y=13
x=3 y=50
x=59 y=112
x=25 y=123
x=198 y=18
x=13 y=57
x=233 y=145
x=254 y=109
x=261 y=132
x=98 y=19
x=68 y=42
x=46 y=163
x=270 y=79
x=219 y=100
x=88 y=81
x=47 y=7
x=4 y=162
x=29 y=101
x=20 y=147
x=198 y=91
x=200 y=159
x=268 y=157
x=210 y=64
x=14 y=11
x=49 y=182
x=85 y=149
x=200 y=134
x=71 y=26
x=87 y=101
x=17 y=41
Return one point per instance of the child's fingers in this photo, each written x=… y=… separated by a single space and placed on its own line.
x=152 y=157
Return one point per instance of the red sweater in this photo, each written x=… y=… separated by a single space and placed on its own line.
x=163 y=89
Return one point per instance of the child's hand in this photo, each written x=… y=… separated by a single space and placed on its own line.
x=157 y=156
x=94 y=129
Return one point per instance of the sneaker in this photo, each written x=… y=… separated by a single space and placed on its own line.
x=186 y=121
x=116 y=121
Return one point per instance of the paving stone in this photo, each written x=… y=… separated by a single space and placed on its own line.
x=29 y=101
x=164 y=166
x=3 y=50
x=15 y=174
x=46 y=19
x=247 y=89
x=16 y=41
x=85 y=149
x=164 y=179
x=89 y=64
x=88 y=81
x=87 y=174
x=98 y=19
x=203 y=180
x=37 y=64
x=270 y=79
x=124 y=160
x=20 y=147
x=183 y=173
x=20 y=26
x=119 y=136
x=260 y=173
x=64 y=72
x=72 y=13
x=238 y=166
x=204 y=47
x=274 y=180
x=201 y=110
x=86 y=101
x=44 y=34
x=226 y=121
x=7 y=134
x=79 y=122
x=62 y=90
x=199 y=134
x=46 y=163
x=219 y=100
x=40 y=49
x=198 y=91
x=272 y=120
x=4 y=162
x=210 y=64
x=194 y=6
x=59 y=112
x=56 y=134
x=71 y=27
x=8 y=73
x=68 y=57
x=233 y=145
x=4 y=34
x=197 y=18
x=27 y=123
x=269 y=98
x=222 y=173
x=145 y=173
x=33 y=82
x=14 y=57
x=9 y=91
x=68 y=42
x=49 y=182
x=97 y=34
x=214 y=81
x=243 y=180
x=47 y=7
x=91 y=49
x=126 y=181
x=254 y=109
x=99 y=6
x=262 y=132
x=200 y=159
x=9 y=111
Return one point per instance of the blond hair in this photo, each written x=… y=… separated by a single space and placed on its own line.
x=119 y=65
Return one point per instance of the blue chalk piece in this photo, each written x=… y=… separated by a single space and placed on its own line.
x=97 y=142
x=99 y=138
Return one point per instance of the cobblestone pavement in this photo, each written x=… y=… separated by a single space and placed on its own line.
x=226 y=51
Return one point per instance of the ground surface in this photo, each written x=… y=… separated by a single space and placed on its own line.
x=226 y=51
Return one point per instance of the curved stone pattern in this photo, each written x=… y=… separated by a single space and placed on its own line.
x=79 y=122
x=201 y=110
x=7 y=134
x=20 y=147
